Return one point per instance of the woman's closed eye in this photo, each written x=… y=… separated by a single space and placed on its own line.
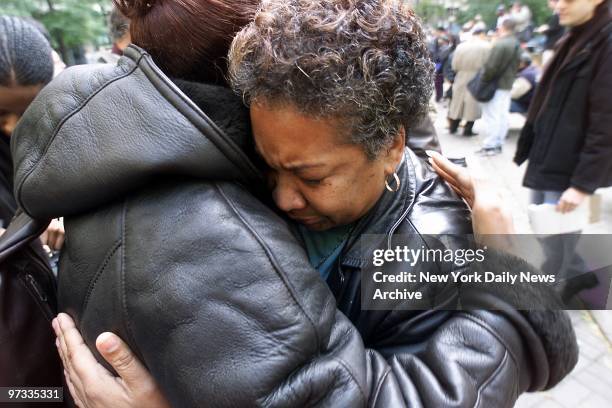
x=312 y=181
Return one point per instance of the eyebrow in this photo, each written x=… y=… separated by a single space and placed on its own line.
x=301 y=167
x=293 y=167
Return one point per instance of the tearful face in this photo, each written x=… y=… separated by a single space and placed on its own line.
x=317 y=177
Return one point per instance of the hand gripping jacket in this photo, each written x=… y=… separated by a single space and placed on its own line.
x=210 y=288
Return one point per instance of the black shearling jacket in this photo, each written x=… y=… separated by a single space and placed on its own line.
x=167 y=247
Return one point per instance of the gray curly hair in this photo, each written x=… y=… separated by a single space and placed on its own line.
x=364 y=62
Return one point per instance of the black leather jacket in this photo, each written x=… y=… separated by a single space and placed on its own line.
x=210 y=287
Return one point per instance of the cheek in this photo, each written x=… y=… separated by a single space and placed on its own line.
x=348 y=199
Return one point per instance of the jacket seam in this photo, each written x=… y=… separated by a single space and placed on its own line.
x=350 y=373
x=380 y=384
x=491 y=377
x=272 y=261
x=508 y=351
x=219 y=138
x=61 y=124
x=411 y=190
x=286 y=282
x=124 y=307
x=98 y=273
x=486 y=326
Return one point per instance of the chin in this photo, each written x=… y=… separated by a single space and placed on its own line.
x=319 y=226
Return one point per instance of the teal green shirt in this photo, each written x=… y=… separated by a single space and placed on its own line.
x=324 y=247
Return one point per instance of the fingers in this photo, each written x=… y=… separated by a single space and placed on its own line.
x=75 y=396
x=54 y=235
x=74 y=390
x=56 y=240
x=118 y=354
x=44 y=237
x=565 y=206
x=78 y=359
x=446 y=165
x=447 y=177
x=461 y=188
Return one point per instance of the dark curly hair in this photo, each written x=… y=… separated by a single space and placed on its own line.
x=364 y=62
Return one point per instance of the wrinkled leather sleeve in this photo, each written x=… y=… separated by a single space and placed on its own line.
x=472 y=360
x=256 y=326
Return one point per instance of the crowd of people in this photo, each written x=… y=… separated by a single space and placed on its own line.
x=521 y=77
x=216 y=177
x=503 y=55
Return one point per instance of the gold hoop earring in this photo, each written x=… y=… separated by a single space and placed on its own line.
x=397 y=184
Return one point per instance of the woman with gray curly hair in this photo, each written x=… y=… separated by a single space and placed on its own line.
x=339 y=83
x=332 y=87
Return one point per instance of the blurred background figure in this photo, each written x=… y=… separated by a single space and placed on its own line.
x=501 y=67
x=469 y=57
x=568 y=135
x=447 y=66
x=58 y=64
x=479 y=24
x=119 y=33
x=26 y=66
x=524 y=85
x=502 y=15
x=440 y=49
x=553 y=31
x=521 y=14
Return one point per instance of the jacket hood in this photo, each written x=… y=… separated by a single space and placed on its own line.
x=97 y=132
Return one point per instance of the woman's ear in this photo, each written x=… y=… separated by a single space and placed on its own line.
x=395 y=152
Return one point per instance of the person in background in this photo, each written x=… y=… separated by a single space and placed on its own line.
x=447 y=66
x=567 y=138
x=58 y=64
x=119 y=33
x=568 y=134
x=479 y=24
x=501 y=67
x=466 y=31
x=444 y=49
x=553 y=31
x=524 y=86
x=26 y=66
x=502 y=15
x=521 y=14
x=469 y=57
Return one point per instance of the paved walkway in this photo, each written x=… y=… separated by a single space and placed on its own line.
x=590 y=384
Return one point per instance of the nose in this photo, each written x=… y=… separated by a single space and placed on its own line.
x=287 y=195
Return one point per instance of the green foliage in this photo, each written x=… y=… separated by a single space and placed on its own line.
x=70 y=22
x=488 y=8
x=430 y=11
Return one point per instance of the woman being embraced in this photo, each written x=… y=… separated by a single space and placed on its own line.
x=236 y=313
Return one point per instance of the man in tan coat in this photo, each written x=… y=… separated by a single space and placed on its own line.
x=469 y=57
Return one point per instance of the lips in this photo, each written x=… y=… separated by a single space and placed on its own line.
x=306 y=220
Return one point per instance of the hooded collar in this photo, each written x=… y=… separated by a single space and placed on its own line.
x=98 y=132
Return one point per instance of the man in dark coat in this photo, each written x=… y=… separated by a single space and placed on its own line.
x=568 y=134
